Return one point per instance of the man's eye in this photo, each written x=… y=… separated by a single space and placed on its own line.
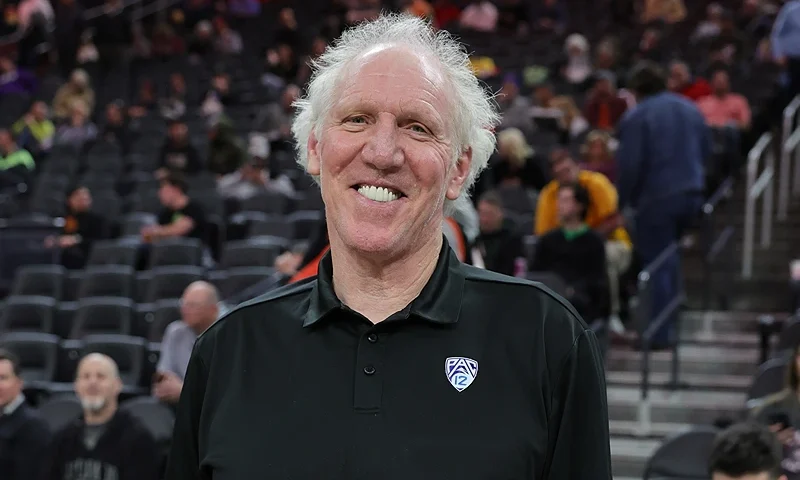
x=358 y=120
x=419 y=128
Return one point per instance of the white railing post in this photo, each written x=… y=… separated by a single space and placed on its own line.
x=758 y=185
x=789 y=125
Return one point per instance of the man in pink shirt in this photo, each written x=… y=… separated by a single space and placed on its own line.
x=723 y=108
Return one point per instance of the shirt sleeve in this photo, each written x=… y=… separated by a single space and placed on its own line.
x=165 y=360
x=578 y=425
x=184 y=457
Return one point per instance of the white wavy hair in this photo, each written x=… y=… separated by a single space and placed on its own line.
x=473 y=108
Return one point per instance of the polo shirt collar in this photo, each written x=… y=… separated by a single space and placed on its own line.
x=438 y=302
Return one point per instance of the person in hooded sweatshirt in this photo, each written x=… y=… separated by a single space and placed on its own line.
x=105 y=443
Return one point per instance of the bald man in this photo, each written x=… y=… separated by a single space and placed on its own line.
x=199 y=310
x=105 y=443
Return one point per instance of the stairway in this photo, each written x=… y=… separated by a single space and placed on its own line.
x=718 y=359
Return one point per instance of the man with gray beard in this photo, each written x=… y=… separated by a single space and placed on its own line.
x=105 y=443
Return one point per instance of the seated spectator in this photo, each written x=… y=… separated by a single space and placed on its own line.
x=173 y=106
x=499 y=242
x=281 y=67
x=517 y=163
x=81 y=228
x=604 y=108
x=254 y=177
x=218 y=96
x=178 y=155
x=77 y=88
x=745 y=451
x=602 y=215
x=16 y=164
x=667 y=11
x=34 y=131
x=712 y=25
x=117 y=129
x=24 y=435
x=201 y=44
x=288 y=31
x=515 y=108
x=225 y=150
x=730 y=42
x=652 y=47
x=571 y=122
x=479 y=15
x=596 y=155
x=199 y=310
x=680 y=81
x=180 y=217
x=146 y=101
x=781 y=413
x=79 y=131
x=228 y=40
x=723 y=108
x=576 y=253
x=165 y=42
x=87 y=53
x=15 y=81
x=104 y=439
x=578 y=67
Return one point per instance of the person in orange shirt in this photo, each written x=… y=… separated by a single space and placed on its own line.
x=602 y=216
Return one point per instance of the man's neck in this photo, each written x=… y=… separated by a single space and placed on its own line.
x=377 y=289
x=571 y=225
x=101 y=417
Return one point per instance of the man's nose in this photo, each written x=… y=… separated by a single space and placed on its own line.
x=383 y=150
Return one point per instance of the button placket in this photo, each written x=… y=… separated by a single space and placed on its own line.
x=368 y=382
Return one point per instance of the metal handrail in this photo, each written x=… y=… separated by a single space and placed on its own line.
x=649 y=323
x=758 y=185
x=790 y=126
x=713 y=246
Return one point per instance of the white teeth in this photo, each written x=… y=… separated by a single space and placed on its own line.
x=378 y=194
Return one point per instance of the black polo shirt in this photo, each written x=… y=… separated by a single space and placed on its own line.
x=482 y=377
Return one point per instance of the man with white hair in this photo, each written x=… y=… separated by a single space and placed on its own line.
x=106 y=443
x=396 y=361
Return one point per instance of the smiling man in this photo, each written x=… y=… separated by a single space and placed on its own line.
x=396 y=361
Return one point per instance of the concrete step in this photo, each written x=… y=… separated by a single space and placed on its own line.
x=658 y=431
x=694 y=382
x=681 y=407
x=629 y=456
x=692 y=360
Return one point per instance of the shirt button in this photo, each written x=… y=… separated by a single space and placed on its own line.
x=372 y=338
x=369 y=370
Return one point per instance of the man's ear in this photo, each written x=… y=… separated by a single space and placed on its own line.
x=313 y=155
x=459 y=175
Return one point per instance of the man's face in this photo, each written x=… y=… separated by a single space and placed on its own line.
x=388 y=128
x=749 y=476
x=490 y=217
x=167 y=194
x=80 y=200
x=568 y=208
x=603 y=87
x=565 y=170
x=720 y=83
x=96 y=383
x=678 y=76
x=39 y=111
x=196 y=310
x=10 y=384
x=177 y=131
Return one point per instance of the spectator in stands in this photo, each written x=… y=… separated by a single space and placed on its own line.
x=664 y=144
x=781 y=412
x=253 y=177
x=577 y=69
x=225 y=150
x=173 y=106
x=745 y=451
x=724 y=108
x=87 y=54
x=14 y=80
x=81 y=229
x=16 y=164
x=516 y=109
x=596 y=155
x=571 y=122
x=165 y=42
x=34 y=131
x=682 y=82
x=276 y=119
x=77 y=88
x=228 y=41
x=106 y=442
x=288 y=32
x=516 y=163
x=550 y=16
x=479 y=15
x=786 y=44
x=447 y=13
x=117 y=129
x=304 y=70
x=69 y=23
x=180 y=217
x=602 y=215
x=712 y=25
x=219 y=95
x=114 y=34
x=576 y=253
x=730 y=42
x=604 y=108
x=201 y=44
x=651 y=46
x=24 y=435
x=499 y=241
x=280 y=67
x=79 y=131
x=146 y=100
x=667 y=11
x=178 y=155
x=199 y=310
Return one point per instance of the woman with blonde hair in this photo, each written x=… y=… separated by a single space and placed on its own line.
x=77 y=88
x=597 y=156
x=517 y=163
x=571 y=121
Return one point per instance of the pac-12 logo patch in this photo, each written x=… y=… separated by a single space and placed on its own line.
x=461 y=372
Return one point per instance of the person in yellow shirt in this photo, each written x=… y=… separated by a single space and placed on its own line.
x=602 y=216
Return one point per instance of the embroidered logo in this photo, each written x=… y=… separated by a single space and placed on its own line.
x=461 y=372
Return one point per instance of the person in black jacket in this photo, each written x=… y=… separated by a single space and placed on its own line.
x=499 y=242
x=81 y=228
x=24 y=435
x=105 y=443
